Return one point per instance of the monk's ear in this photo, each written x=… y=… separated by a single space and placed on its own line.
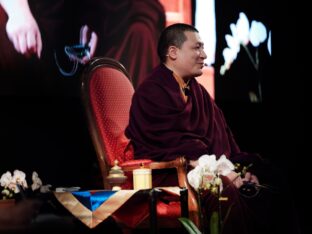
x=172 y=52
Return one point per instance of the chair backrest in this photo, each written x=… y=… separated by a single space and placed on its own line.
x=106 y=93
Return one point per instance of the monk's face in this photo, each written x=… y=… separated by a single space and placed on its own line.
x=190 y=57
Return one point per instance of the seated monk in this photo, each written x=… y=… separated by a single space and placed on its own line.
x=173 y=115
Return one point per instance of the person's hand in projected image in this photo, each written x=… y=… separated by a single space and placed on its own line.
x=82 y=52
x=22 y=28
x=88 y=38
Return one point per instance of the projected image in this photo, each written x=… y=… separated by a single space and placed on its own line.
x=243 y=51
x=44 y=44
x=237 y=38
x=249 y=39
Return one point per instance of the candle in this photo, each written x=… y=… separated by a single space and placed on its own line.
x=142 y=178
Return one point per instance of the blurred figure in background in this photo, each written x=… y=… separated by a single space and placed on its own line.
x=42 y=122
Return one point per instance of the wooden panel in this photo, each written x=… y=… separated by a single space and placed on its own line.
x=177 y=11
x=207 y=80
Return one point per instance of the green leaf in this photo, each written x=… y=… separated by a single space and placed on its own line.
x=214 y=223
x=189 y=226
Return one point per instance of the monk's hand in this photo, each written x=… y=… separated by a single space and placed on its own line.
x=250 y=178
x=235 y=178
x=89 y=38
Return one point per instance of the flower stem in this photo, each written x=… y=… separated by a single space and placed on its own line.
x=200 y=213
x=220 y=224
x=260 y=90
x=254 y=63
x=257 y=58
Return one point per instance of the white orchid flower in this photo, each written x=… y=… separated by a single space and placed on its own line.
x=242 y=28
x=206 y=174
x=223 y=69
x=6 y=179
x=224 y=166
x=233 y=30
x=257 y=33
x=6 y=192
x=233 y=43
x=269 y=45
x=208 y=177
x=14 y=183
x=229 y=56
x=242 y=34
x=195 y=177
x=19 y=177
x=208 y=162
x=37 y=183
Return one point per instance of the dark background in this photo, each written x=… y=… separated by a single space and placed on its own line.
x=48 y=133
x=276 y=128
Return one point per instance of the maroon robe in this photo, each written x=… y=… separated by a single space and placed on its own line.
x=162 y=126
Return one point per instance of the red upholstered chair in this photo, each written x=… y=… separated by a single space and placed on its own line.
x=106 y=93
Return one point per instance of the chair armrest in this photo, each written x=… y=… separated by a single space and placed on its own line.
x=131 y=165
x=180 y=164
x=147 y=163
